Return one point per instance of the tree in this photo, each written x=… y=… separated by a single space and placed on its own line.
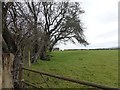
x=8 y=46
x=56 y=22
x=13 y=37
x=61 y=23
x=36 y=27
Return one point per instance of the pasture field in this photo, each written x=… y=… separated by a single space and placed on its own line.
x=98 y=66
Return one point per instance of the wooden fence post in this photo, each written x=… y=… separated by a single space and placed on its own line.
x=20 y=75
x=29 y=62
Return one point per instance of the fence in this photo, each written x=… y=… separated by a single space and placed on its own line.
x=21 y=80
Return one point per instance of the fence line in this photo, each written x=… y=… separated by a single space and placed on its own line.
x=72 y=80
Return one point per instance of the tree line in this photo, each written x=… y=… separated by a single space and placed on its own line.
x=36 y=27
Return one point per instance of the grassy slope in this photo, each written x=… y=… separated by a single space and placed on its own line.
x=95 y=66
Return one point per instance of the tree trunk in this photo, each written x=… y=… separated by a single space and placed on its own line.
x=7 y=69
x=8 y=81
x=16 y=64
x=50 y=49
x=44 y=55
x=52 y=45
x=35 y=45
x=0 y=67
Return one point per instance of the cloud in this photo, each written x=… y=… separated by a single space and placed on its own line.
x=108 y=17
x=101 y=22
x=108 y=35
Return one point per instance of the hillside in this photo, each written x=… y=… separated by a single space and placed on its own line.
x=99 y=66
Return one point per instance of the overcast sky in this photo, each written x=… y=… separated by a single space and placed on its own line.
x=101 y=22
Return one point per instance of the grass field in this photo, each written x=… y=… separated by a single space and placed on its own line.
x=98 y=66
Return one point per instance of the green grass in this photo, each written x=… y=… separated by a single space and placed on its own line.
x=98 y=66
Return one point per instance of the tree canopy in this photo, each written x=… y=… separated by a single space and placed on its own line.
x=42 y=25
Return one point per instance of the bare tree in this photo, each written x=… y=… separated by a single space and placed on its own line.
x=37 y=27
x=56 y=21
x=61 y=23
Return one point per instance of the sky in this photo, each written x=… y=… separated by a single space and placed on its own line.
x=101 y=24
